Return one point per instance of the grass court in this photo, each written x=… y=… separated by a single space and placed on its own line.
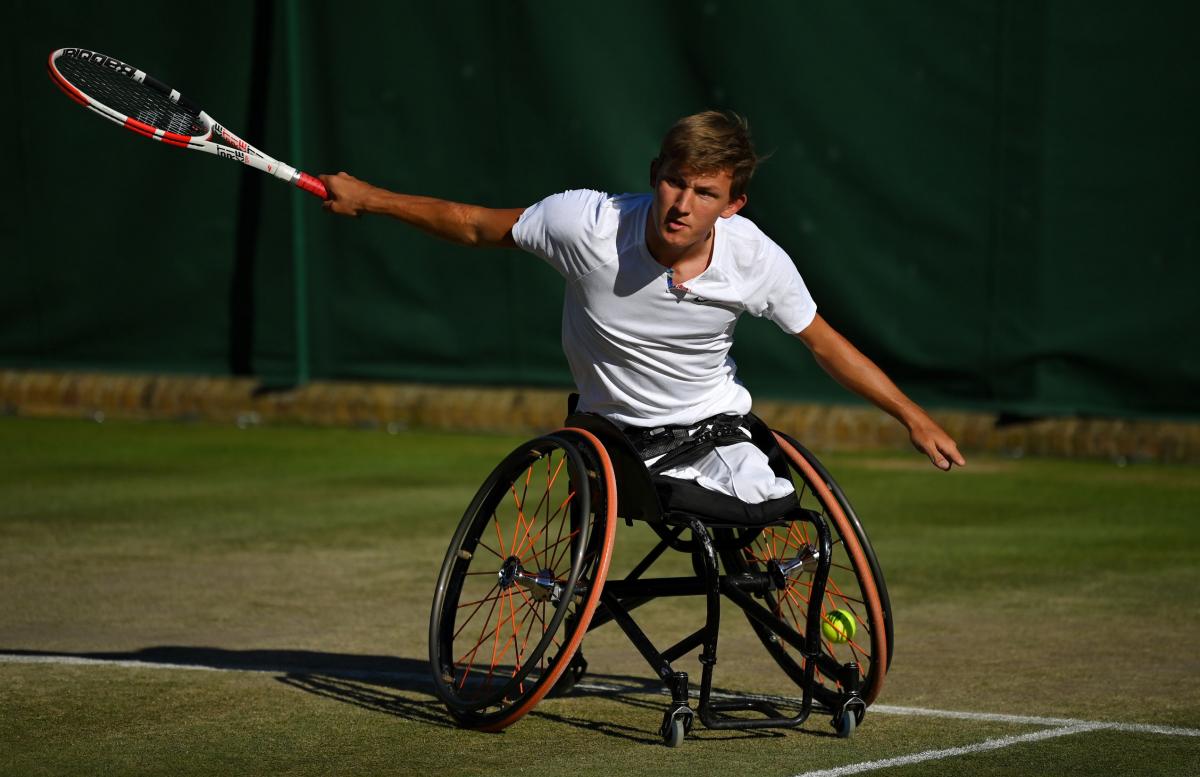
x=202 y=599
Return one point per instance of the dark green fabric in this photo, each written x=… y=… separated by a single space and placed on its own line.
x=998 y=201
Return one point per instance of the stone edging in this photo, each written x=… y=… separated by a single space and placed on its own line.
x=528 y=410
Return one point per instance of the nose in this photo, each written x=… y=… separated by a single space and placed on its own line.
x=683 y=203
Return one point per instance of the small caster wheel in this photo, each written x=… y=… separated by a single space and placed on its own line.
x=851 y=714
x=676 y=725
x=845 y=724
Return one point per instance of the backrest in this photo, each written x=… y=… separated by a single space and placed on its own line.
x=636 y=496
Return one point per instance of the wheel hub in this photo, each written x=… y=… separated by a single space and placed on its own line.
x=509 y=571
x=542 y=585
x=780 y=570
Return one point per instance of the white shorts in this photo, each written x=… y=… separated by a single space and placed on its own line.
x=740 y=470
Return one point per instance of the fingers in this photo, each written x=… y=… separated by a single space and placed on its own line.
x=944 y=453
x=327 y=179
x=952 y=452
x=938 y=446
x=939 y=460
x=341 y=189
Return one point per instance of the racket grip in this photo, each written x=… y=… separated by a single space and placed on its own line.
x=311 y=184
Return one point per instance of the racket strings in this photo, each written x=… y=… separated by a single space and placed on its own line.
x=124 y=95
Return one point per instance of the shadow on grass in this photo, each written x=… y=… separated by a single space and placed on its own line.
x=371 y=682
x=405 y=671
x=385 y=684
x=373 y=695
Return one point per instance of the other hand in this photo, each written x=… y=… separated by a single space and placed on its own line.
x=930 y=439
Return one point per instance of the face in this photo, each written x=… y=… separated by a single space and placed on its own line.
x=687 y=204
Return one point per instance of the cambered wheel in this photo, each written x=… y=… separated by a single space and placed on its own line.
x=522 y=578
x=855 y=583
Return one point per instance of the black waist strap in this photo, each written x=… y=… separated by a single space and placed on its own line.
x=680 y=444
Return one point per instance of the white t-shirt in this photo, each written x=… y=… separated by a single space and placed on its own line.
x=641 y=353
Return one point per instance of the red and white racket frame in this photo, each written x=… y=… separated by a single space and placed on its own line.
x=215 y=140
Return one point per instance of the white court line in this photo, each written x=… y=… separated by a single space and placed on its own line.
x=987 y=717
x=991 y=717
x=351 y=674
x=953 y=752
x=8 y=658
x=1062 y=725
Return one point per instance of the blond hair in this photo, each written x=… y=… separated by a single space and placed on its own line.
x=709 y=142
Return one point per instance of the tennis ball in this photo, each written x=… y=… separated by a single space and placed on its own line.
x=839 y=626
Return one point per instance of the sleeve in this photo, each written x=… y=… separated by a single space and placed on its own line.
x=777 y=292
x=559 y=229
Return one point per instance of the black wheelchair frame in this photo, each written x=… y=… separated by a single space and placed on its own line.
x=510 y=611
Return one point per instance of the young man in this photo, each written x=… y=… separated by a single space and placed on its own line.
x=655 y=284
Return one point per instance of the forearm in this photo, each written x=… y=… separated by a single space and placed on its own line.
x=854 y=371
x=469 y=225
x=851 y=368
x=451 y=221
x=857 y=373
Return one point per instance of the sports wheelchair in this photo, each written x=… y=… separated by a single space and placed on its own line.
x=526 y=577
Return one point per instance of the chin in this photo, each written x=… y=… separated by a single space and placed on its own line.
x=685 y=237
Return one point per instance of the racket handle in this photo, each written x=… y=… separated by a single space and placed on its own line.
x=311 y=184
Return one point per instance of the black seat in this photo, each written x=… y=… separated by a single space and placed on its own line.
x=661 y=499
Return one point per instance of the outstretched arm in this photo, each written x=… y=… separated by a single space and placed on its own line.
x=469 y=225
x=849 y=367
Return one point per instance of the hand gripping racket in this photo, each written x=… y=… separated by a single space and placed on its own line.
x=126 y=95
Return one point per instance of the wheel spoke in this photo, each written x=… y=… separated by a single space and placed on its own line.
x=522 y=513
x=478 y=604
x=561 y=547
x=483 y=636
x=499 y=539
x=480 y=543
x=520 y=504
x=482 y=631
x=496 y=640
x=525 y=547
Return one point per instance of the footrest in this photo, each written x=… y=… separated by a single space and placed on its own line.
x=712 y=714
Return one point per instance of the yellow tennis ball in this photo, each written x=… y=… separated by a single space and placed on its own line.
x=839 y=626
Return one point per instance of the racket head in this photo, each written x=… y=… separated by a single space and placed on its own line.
x=128 y=96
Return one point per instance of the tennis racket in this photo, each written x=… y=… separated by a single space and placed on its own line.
x=139 y=102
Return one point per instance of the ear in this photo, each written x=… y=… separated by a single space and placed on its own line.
x=734 y=206
x=653 y=172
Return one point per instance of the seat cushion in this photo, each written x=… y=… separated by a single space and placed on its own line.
x=685 y=496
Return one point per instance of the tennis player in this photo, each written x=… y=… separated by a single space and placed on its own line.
x=655 y=284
